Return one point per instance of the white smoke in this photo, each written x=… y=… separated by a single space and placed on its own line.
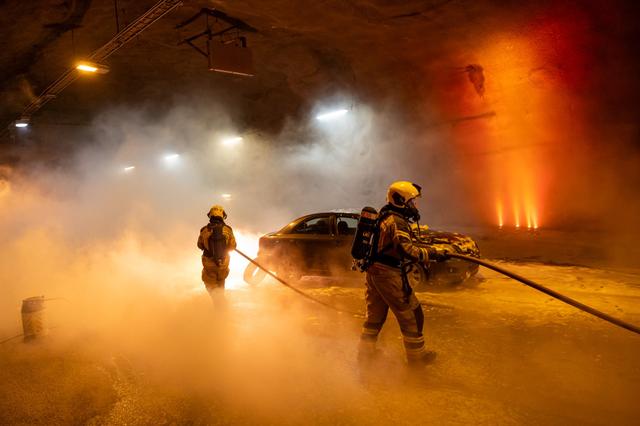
x=89 y=227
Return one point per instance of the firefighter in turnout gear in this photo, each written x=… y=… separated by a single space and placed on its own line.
x=387 y=286
x=216 y=240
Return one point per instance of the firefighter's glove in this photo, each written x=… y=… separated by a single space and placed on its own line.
x=439 y=255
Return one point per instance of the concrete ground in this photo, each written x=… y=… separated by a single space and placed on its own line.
x=507 y=354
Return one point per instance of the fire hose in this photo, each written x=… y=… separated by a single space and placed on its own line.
x=526 y=281
x=552 y=293
x=300 y=292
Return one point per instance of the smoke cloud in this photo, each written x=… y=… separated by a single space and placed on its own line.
x=115 y=247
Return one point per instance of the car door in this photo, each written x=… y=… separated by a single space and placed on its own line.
x=314 y=238
x=346 y=224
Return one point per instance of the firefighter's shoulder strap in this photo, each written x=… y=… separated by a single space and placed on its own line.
x=402 y=263
x=203 y=240
x=383 y=216
x=379 y=255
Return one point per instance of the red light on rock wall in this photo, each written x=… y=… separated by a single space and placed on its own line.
x=520 y=212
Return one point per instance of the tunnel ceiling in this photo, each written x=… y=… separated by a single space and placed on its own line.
x=527 y=108
x=377 y=50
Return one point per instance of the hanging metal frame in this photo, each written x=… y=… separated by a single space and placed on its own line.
x=233 y=25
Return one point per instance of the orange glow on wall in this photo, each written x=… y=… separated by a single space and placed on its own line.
x=510 y=135
x=528 y=212
x=527 y=129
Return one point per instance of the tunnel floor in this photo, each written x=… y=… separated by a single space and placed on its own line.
x=506 y=355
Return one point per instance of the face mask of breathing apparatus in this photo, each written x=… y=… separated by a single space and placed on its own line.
x=411 y=211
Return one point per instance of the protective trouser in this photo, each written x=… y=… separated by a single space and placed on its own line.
x=214 y=275
x=385 y=291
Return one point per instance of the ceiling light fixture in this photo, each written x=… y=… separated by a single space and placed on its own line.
x=331 y=114
x=225 y=47
x=21 y=123
x=92 y=67
x=232 y=141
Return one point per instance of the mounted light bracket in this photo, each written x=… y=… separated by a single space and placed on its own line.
x=21 y=123
x=226 y=49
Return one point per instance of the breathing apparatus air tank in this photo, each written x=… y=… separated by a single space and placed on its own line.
x=217 y=243
x=363 y=240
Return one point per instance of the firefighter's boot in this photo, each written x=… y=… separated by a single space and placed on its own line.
x=426 y=358
x=367 y=351
x=416 y=353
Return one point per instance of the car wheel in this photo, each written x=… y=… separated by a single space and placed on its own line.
x=253 y=275
x=288 y=270
x=451 y=281
x=290 y=274
x=417 y=278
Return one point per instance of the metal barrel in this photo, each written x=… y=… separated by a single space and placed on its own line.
x=33 y=318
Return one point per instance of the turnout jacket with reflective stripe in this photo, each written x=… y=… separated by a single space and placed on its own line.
x=395 y=239
x=205 y=233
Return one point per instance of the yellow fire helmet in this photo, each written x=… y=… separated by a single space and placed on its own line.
x=401 y=192
x=217 y=211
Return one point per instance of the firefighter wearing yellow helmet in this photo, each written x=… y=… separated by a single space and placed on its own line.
x=216 y=240
x=387 y=286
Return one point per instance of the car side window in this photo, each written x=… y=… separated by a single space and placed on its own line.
x=316 y=225
x=347 y=225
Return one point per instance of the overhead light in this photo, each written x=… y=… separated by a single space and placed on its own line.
x=230 y=59
x=232 y=141
x=171 y=160
x=21 y=123
x=87 y=68
x=129 y=168
x=229 y=53
x=92 y=67
x=226 y=196
x=331 y=114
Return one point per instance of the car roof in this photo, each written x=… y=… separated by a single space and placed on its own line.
x=310 y=215
x=340 y=213
x=318 y=214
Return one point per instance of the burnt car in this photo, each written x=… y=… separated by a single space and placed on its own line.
x=319 y=244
